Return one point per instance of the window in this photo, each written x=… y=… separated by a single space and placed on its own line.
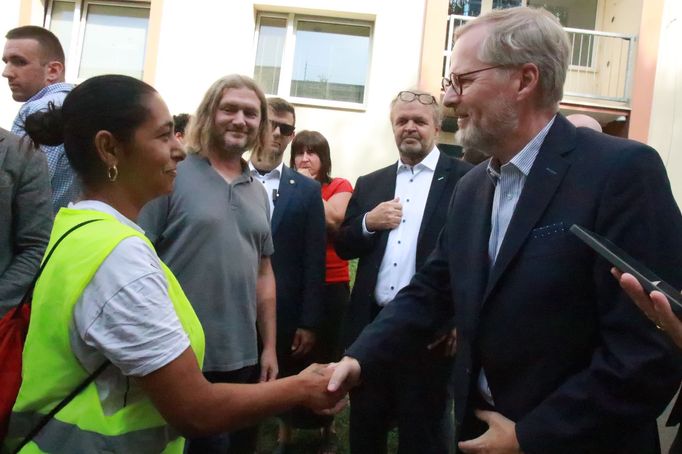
x=581 y=14
x=309 y=58
x=100 y=37
x=465 y=7
x=504 y=4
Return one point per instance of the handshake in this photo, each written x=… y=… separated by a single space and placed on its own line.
x=326 y=385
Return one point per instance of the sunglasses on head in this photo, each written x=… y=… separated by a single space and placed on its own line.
x=284 y=129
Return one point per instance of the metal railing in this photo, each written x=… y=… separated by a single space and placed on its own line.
x=601 y=66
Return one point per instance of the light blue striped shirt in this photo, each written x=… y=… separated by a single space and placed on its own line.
x=65 y=185
x=509 y=181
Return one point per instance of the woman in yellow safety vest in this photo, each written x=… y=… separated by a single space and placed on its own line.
x=105 y=296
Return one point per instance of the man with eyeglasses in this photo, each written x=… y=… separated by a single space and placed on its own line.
x=391 y=225
x=298 y=234
x=551 y=355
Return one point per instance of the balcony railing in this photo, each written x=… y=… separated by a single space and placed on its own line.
x=601 y=65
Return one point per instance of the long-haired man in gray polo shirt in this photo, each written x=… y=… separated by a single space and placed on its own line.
x=213 y=231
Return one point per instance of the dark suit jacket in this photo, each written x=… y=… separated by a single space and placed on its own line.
x=350 y=243
x=25 y=216
x=567 y=355
x=298 y=233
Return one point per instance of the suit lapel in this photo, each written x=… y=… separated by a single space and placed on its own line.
x=438 y=183
x=287 y=186
x=479 y=233
x=541 y=184
x=385 y=191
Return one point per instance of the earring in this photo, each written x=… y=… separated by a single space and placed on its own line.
x=112 y=173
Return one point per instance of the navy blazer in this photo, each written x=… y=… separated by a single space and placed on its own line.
x=567 y=355
x=298 y=233
x=350 y=243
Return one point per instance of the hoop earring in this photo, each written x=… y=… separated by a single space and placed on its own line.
x=112 y=173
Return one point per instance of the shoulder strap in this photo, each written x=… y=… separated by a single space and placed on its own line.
x=48 y=417
x=82 y=385
x=29 y=291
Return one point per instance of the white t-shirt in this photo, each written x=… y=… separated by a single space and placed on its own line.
x=125 y=315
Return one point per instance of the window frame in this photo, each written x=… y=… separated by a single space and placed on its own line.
x=288 y=53
x=80 y=16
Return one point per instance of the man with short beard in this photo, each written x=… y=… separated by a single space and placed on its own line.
x=213 y=231
x=391 y=225
x=551 y=356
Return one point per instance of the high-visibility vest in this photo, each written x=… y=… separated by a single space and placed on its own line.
x=51 y=370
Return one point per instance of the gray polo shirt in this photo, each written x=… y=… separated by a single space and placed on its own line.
x=212 y=234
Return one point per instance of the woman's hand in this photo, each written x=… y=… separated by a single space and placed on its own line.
x=655 y=306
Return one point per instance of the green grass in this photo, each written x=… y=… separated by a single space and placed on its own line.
x=307 y=441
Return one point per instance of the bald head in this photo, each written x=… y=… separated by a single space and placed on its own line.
x=584 y=121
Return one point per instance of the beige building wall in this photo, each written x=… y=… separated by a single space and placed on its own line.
x=190 y=58
x=435 y=34
x=645 y=71
x=191 y=44
x=665 y=130
x=9 y=18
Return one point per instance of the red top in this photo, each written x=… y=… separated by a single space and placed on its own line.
x=337 y=269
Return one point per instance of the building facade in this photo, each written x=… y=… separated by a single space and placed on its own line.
x=340 y=63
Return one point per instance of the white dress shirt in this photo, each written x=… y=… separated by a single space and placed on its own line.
x=270 y=182
x=412 y=185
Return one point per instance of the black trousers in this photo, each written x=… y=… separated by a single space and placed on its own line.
x=238 y=442
x=415 y=398
x=327 y=349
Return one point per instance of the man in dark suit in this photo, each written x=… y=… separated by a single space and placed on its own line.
x=391 y=225
x=551 y=356
x=298 y=234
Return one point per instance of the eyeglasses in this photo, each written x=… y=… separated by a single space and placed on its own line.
x=455 y=80
x=409 y=96
x=284 y=129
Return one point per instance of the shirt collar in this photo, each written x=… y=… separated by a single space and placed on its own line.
x=274 y=173
x=430 y=162
x=524 y=159
x=52 y=88
x=97 y=205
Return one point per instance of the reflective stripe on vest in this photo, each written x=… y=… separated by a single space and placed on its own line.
x=60 y=437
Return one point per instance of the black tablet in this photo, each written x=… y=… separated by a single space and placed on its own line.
x=621 y=260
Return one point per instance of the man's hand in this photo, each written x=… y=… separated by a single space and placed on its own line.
x=304 y=340
x=500 y=438
x=314 y=380
x=449 y=342
x=346 y=375
x=655 y=306
x=268 y=365
x=385 y=216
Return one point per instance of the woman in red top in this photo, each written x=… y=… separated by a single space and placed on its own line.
x=310 y=157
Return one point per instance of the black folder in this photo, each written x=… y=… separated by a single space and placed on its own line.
x=621 y=260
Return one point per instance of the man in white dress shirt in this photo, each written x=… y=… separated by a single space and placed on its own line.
x=391 y=225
